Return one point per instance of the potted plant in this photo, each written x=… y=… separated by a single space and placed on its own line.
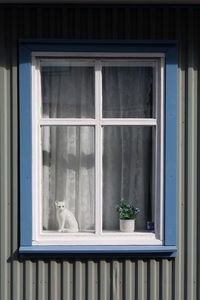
x=127 y=214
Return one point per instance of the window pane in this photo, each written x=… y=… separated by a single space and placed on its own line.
x=67 y=92
x=128 y=172
x=127 y=92
x=68 y=175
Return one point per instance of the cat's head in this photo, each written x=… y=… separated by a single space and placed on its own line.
x=60 y=204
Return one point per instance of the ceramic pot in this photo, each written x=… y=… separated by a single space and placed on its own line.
x=127 y=225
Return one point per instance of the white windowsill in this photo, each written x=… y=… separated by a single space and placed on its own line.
x=88 y=238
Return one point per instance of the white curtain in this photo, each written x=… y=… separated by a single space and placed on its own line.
x=69 y=151
x=127 y=159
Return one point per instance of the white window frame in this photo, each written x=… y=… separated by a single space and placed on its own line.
x=40 y=237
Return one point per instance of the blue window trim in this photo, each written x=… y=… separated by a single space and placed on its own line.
x=26 y=47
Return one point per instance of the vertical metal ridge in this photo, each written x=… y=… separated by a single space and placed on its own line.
x=180 y=262
x=39 y=23
x=116 y=280
x=16 y=268
x=172 y=23
x=79 y=281
x=92 y=281
x=198 y=162
x=153 y=23
x=3 y=155
x=127 y=24
x=139 y=25
x=42 y=280
x=91 y=23
x=128 y=280
x=192 y=159
x=115 y=23
x=185 y=233
x=6 y=228
x=76 y=23
x=54 y=280
x=104 y=280
x=154 y=279
x=166 y=24
x=166 y=280
x=67 y=280
x=29 y=280
x=159 y=23
x=52 y=26
x=141 y=281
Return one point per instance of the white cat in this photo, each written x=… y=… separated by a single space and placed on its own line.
x=65 y=216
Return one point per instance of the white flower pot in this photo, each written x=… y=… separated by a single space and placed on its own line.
x=127 y=225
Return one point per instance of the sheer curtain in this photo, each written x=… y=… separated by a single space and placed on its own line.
x=127 y=159
x=68 y=152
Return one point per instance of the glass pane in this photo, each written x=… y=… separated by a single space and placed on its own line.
x=67 y=92
x=127 y=92
x=68 y=178
x=128 y=162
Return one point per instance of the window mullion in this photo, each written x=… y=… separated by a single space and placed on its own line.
x=98 y=148
x=39 y=113
x=135 y=122
x=98 y=91
x=67 y=122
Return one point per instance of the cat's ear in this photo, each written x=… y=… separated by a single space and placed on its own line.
x=56 y=203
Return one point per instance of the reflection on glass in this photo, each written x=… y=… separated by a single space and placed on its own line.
x=68 y=177
x=127 y=92
x=128 y=172
x=67 y=92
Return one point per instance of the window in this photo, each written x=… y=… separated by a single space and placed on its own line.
x=97 y=125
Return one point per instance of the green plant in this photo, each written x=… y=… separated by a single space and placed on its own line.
x=126 y=211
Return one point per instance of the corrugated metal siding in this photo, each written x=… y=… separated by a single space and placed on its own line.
x=101 y=279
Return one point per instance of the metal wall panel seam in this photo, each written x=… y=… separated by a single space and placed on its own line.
x=198 y=166
x=3 y=225
x=179 y=287
x=192 y=160
x=16 y=267
x=5 y=250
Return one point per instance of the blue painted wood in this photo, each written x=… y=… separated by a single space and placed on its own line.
x=97 y=46
x=166 y=251
x=170 y=50
x=170 y=146
x=25 y=147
